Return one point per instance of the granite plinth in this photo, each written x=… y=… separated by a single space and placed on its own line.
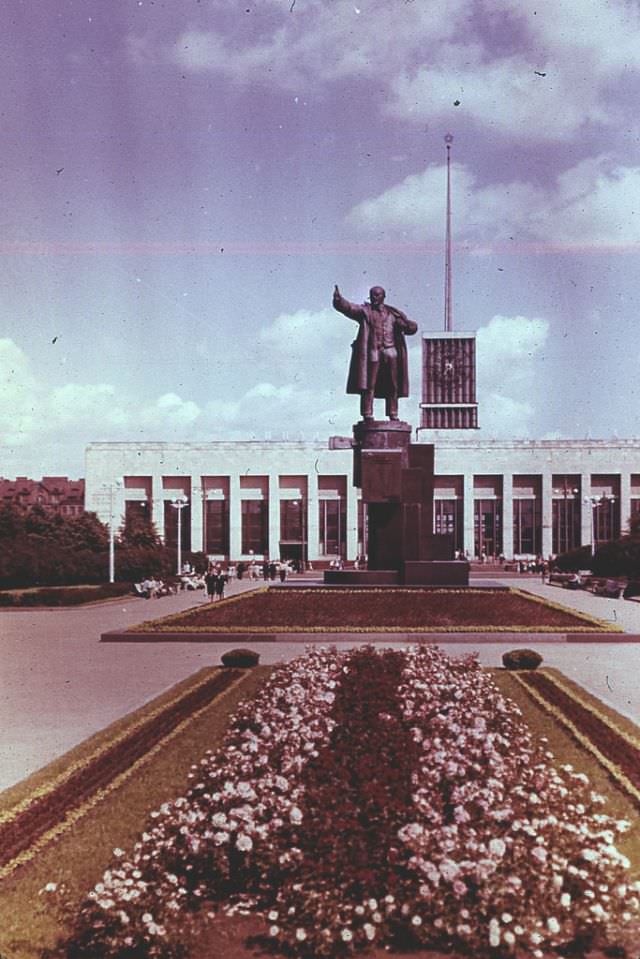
x=435 y=573
x=362 y=577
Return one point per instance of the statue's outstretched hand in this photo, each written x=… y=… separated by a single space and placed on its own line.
x=336 y=291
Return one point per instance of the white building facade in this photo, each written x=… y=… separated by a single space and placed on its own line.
x=295 y=500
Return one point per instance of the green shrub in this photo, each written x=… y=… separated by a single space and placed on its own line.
x=521 y=659
x=240 y=658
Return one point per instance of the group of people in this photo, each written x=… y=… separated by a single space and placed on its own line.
x=215 y=580
x=155 y=588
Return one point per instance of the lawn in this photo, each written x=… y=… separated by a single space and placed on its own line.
x=389 y=609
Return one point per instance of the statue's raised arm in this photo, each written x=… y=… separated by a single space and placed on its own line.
x=379 y=366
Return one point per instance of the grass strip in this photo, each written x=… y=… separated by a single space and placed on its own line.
x=613 y=748
x=116 y=818
x=53 y=807
x=567 y=749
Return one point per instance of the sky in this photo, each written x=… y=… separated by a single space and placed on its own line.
x=184 y=183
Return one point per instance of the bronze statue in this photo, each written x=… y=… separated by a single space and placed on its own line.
x=379 y=366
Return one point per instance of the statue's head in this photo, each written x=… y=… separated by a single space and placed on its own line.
x=376 y=295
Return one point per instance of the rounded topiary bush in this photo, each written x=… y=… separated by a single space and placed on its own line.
x=521 y=659
x=240 y=658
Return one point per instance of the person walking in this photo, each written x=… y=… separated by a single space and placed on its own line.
x=221 y=582
x=211 y=583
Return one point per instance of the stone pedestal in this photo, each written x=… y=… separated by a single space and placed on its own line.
x=396 y=478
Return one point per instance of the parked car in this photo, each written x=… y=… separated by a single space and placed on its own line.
x=556 y=578
x=607 y=587
x=568 y=580
x=574 y=581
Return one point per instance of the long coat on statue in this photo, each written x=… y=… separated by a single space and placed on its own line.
x=357 y=380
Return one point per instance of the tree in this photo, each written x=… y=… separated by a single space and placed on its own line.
x=138 y=531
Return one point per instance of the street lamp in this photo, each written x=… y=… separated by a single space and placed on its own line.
x=595 y=502
x=111 y=488
x=566 y=492
x=179 y=503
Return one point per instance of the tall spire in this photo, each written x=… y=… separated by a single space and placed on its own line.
x=448 y=307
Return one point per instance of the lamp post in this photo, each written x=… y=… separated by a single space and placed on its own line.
x=566 y=491
x=111 y=489
x=179 y=503
x=595 y=502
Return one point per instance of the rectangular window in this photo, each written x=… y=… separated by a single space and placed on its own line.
x=332 y=527
x=527 y=531
x=566 y=525
x=292 y=521
x=487 y=519
x=448 y=520
x=255 y=526
x=216 y=527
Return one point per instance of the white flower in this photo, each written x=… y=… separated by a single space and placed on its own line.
x=274 y=930
x=346 y=935
x=553 y=925
x=449 y=869
x=416 y=921
x=244 y=843
x=295 y=815
x=369 y=931
x=497 y=847
x=301 y=935
x=565 y=900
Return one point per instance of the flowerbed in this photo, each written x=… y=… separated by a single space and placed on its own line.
x=44 y=811
x=618 y=752
x=373 y=797
x=389 y=609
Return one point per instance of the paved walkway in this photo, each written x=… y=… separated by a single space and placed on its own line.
x=59 y=684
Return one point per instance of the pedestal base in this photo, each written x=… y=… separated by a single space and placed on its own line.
x=435 y=573
x=413 y=573
x=362 y=577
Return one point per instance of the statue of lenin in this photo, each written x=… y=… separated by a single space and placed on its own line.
x=379 y=366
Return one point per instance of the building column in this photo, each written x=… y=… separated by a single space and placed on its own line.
x=467 y=515
x=546 y=510
x=352 y=521
x=625 y=501
x=507 y=515
x=313 y=510
x=586 y=511
x=196 y=496
x=156 y=506
x=273 y=543
x=235 y=518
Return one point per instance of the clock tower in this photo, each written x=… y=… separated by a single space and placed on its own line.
x=448 y=358
x=449 y=381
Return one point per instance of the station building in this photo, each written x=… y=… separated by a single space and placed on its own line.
x=251 y=499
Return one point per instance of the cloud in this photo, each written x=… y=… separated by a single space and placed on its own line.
x=595 y=203
x=327 y=42
x=510 y=351
x=520 y=68
x=513 y=96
